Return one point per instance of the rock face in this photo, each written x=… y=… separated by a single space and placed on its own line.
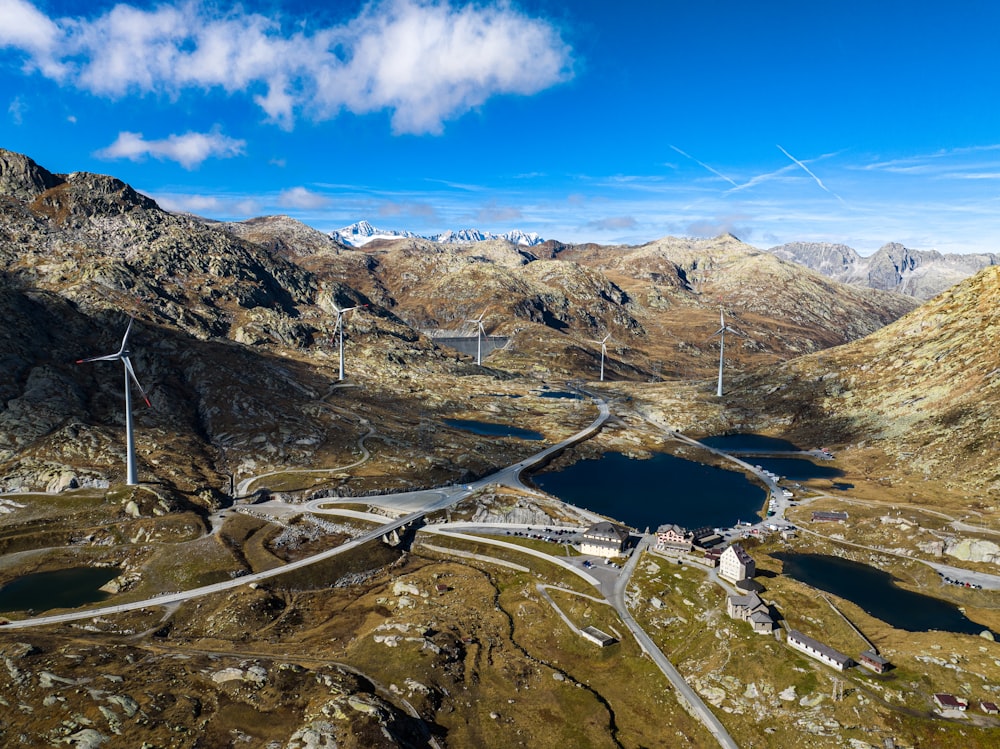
x=974 y=550
x=925 y=388
x=917 y=273
x=22 y=179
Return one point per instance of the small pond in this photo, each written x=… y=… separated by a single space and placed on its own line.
x=59 y=589
x=663 y=489
x=876 y=592
x=565 y=394
x=493 y=430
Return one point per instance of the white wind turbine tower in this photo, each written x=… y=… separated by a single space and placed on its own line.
x=604 y=352
x=122 y=355
x=721 y=332
x=479 y=338
x=341 y=313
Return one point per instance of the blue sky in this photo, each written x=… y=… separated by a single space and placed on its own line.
x=852 y=122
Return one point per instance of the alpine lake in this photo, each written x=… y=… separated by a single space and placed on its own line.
x=667 y=489
x=57 y=589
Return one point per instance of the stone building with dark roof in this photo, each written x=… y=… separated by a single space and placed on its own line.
x=750 y=608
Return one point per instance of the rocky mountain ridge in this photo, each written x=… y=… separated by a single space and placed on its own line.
x=918 y=273
x=923 y=389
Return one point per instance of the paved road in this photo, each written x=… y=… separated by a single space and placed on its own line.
x=613 y=582
x=684 y=690
x=421 y=502
x=167 y=598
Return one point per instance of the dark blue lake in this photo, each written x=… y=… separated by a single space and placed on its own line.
x=875 y=591
x=748 y=442
x=493 y=430
x=59 y=589
x=796 y=469
x=663 y=489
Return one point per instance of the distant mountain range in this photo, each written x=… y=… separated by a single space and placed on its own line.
x=921 y=274
x=918 y=273
x=361 y=233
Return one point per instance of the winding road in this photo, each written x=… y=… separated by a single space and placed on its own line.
x=414 y=505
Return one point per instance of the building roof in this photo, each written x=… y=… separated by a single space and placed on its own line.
x=750 y=600
x=989 y=707
x=602 y=638
x=671 y=528
x=950 y=700
x=606 y=531
x=824 y=515
x=825 y=650
x=871 y=655
x=740 y=553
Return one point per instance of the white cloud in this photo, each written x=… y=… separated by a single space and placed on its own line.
x=613 y=223
x=300 y=197
x=424 y=60
x=25 y=27
x=16 y=110
x=189 y=150
x=494 y=212
x=214 y=206
x=411 y=208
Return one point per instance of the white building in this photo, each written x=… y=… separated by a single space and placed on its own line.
x=735 y=564
x=819 y=651
x=604 y=539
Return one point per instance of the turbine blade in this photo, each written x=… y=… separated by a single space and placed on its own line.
x=125 y=337
x=128 y=368
x=108 y=357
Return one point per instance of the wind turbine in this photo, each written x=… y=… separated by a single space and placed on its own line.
x=604 y=352
x=122 y=355
x=721 y=332
x=341 y=313
x=479 y=337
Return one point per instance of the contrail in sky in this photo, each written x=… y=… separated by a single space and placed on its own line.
x=807 y=171
x=716 y=172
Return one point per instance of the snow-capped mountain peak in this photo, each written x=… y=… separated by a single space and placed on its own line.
x=361 y=233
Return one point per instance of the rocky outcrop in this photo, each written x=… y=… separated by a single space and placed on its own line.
x=973 y=550
x=23 y=179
